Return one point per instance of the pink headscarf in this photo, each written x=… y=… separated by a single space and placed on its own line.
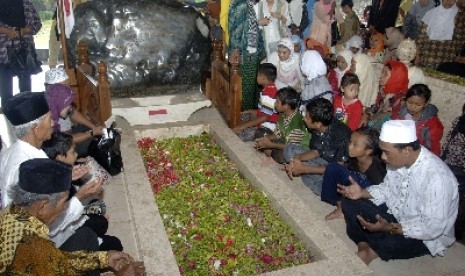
x=59 y=96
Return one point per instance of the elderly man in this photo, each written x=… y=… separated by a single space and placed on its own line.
x=37 y=201
x=410 y=214
x=32 y=124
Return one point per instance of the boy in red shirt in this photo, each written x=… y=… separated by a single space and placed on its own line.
x=266 y=119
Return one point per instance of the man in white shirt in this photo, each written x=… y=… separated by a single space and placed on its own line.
x=30 y=116
x=412 y=213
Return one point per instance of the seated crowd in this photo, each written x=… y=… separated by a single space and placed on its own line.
x=370 y=144
x=53 y=219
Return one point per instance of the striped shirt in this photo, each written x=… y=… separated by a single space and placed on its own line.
x=32 y=21
x=423 y=199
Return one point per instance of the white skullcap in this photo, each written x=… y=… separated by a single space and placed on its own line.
x=398 y=132
x=355 y=41
x=55 y=75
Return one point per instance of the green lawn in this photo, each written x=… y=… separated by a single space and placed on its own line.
x=41 y=39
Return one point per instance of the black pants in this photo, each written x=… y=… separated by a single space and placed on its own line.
x=99 y=224
x=83 y=239
x=386 y=245
x=6 y=84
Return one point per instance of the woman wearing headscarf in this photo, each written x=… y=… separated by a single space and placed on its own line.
x=393 y=85
x=19 y=21
x=316 y=84
x=343 y=59
x=64 y=115
x=287 y=64
x=406 y=54
x=323 y=15
x=276 y=12
x=246 y=37
x=362 y=66
x=441 y=35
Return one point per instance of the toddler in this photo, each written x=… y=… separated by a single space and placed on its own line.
x=347 y=107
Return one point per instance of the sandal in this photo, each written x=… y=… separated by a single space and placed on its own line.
x=95 y=207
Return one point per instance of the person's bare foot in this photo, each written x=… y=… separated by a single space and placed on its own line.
x=366 y=253
x=335 y=214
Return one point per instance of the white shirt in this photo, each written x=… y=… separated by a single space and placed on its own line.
x=423 y=199
x=10 y=159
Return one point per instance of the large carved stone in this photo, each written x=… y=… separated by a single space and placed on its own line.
x=144 y=41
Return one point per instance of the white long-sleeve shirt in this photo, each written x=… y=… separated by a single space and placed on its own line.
x=423 y=199
x=10 y=159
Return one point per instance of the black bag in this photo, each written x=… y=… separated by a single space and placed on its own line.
x=22 y=59
x=105 y=149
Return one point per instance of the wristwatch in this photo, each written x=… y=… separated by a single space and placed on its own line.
x=393 y=228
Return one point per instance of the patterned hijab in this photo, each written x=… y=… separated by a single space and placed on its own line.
x=313 y=65
x=398 y=81
x=252 y=35
x=59 y=96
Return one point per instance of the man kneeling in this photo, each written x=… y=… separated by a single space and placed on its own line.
x=410 y=214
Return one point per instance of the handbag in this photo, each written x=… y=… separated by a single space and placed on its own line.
x=22 y=59
x=105 y=149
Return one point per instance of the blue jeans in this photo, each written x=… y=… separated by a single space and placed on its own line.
x=313 y=181
x=386 y=245
x=336 y=173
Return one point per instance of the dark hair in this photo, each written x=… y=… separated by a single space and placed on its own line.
x=268 y=70
x=321 y=111
x=421 y=90
x=59 y=144
x=372 y=138
x=462 y=52
x=347 y=3
x=288 y=95
x=415 y=145
x=349 y=78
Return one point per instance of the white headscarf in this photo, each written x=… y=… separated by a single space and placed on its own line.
x=347 y=55
x=440 y=22
x=368 y=82
x=355 y=41
x=288 y=64
x=295 y=9
x=313 y=65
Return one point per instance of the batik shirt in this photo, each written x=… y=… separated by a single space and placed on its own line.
x=26 y=249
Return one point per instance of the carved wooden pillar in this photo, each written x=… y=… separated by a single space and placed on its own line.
x=83 y=55
x=104 y=97
x=235 y=89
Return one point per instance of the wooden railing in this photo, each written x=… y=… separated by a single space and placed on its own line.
x=224 y=88
x=93 y=95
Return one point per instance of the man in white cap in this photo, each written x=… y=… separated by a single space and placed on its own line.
x=412 y=213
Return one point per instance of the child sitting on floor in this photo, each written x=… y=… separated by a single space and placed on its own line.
x=425 y=115
x=290 y=128
x=364 y=166
x=347 y=107
x=266 y=119
x=329 y=143
x=65 y=117
x=60 y=147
